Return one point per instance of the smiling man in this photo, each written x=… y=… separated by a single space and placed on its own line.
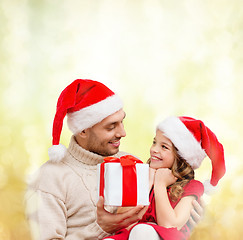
x=62 y=197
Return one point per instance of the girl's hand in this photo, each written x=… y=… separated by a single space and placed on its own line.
x=164 y=176
x=151 y=177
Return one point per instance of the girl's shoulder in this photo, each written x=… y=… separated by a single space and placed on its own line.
x=195 y=188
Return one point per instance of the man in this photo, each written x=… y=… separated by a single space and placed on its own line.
x=61 y=201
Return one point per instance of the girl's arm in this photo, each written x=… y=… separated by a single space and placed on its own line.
x=166 y=215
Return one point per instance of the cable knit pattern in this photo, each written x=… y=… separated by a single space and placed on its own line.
x=61 y=199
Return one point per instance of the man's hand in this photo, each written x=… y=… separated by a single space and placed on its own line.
x=197 y=214
x=111 y=222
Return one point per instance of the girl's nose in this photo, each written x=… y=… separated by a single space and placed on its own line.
x=154 y=149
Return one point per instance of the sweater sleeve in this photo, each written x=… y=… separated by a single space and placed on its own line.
x=100 y=232
x=47 y=216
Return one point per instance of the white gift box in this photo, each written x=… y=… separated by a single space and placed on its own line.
x=117 y=184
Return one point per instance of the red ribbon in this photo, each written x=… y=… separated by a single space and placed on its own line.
x=129 y=176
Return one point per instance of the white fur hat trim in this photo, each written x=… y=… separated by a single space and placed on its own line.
x=209 y=188
x=57 y=152
x=93 y=114
x=188 y=147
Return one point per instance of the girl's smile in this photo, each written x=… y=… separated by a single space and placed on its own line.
x=155 y=158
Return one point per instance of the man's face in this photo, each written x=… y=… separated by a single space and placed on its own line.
x=104 y=137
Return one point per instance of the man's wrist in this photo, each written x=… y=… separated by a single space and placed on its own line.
x=102 y=233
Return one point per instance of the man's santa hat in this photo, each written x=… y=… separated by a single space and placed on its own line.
x=194 y=141
x=86 y=103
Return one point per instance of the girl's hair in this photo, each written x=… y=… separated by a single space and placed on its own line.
x=183 y=171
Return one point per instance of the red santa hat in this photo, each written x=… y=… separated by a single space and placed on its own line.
x=194 y=141
x=85 y=102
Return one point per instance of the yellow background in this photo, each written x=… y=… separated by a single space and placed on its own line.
x=177 y=57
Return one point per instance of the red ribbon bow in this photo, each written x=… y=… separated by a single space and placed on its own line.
x=129 y=176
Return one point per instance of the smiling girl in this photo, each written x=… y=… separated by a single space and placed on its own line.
x=179 y=147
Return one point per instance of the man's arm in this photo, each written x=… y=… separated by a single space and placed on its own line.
x=46 y=215
x=112 y=222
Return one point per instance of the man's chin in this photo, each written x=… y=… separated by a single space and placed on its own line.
x=110 y=153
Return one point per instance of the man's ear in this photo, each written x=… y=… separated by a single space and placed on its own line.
x=83 y=134
x=82 y=137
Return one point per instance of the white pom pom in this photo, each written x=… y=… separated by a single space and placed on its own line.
x=57 y=152
x=208 y=187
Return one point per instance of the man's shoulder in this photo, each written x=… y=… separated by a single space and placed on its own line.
x=50 y=168
x=49 y=173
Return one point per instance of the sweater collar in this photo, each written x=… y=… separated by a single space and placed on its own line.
x=83 y=155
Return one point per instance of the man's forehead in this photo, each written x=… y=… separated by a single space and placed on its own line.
x=115 y=117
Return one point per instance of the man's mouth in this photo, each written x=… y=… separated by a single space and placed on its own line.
x=115 y=143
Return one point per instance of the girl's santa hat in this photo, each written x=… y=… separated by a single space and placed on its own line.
x=86 y=103
x=194 y=141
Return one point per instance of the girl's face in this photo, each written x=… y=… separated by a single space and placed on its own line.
x=161 y=152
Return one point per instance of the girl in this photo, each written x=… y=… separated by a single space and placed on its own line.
x=180 y=145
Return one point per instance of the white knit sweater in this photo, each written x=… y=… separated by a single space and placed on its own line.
x=61 y=200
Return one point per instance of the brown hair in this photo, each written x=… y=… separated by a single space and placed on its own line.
x=183 y=171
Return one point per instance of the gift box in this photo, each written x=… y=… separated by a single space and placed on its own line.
x=123 y=181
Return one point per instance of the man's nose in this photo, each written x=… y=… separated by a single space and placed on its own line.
x=121 y=131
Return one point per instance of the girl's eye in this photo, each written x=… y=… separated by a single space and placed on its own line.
x=163 y=146
x=154 y=142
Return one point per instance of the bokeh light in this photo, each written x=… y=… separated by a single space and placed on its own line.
x=162 y=57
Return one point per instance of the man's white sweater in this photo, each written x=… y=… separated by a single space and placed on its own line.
x=61 y=199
